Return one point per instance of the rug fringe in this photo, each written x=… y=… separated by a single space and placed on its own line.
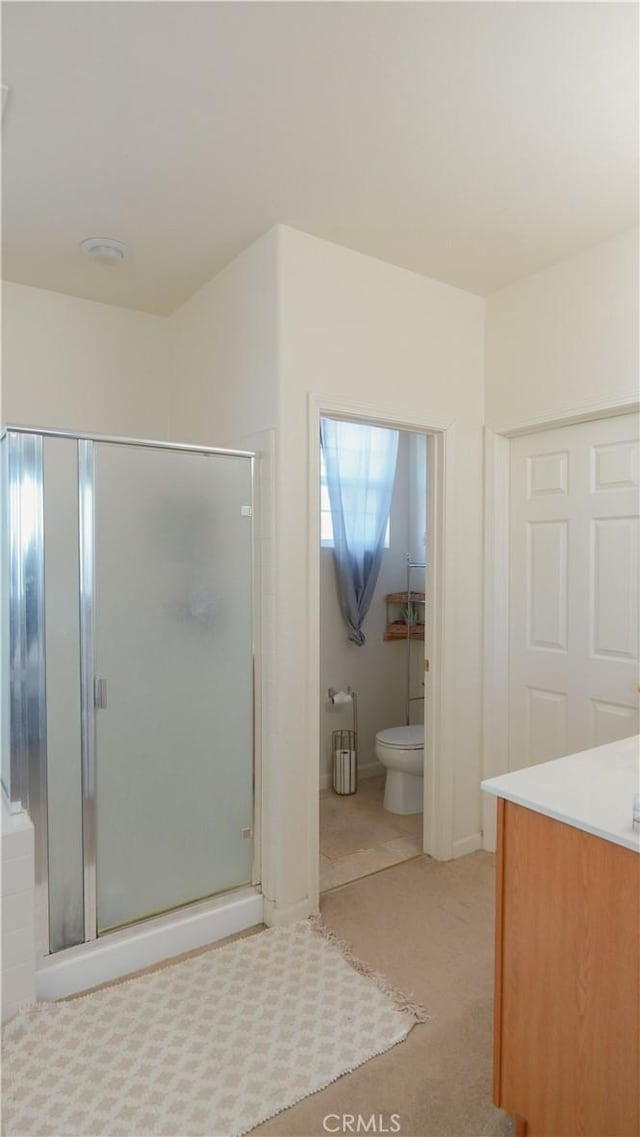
x=399 y=998
x=374 y=1053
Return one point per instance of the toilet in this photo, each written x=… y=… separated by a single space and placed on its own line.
x=401 y=751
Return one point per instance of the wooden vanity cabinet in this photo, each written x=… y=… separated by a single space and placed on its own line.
x=567 y=979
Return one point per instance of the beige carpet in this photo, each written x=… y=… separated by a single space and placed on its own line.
x=210 y=1046
x=429 y=928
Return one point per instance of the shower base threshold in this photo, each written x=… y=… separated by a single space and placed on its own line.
x=130 y=949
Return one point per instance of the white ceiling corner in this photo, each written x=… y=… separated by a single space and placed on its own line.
x=473 y=142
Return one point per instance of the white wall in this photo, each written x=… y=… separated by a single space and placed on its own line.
x=294 y=315
x=76 y=365
x=224 y=392
x=558 y=344
x=565 y=338
x=234 y=366
x=224 y=344
x=352 y=327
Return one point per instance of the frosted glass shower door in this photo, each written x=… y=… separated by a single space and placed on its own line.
x=173 y=644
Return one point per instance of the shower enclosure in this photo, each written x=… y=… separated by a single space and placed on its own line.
x=127 y=661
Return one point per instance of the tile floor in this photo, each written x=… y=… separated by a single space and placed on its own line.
x=358 y=836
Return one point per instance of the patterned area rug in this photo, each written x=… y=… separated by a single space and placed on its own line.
x=209 y=1047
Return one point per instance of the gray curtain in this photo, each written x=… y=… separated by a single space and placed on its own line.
x=360 y=462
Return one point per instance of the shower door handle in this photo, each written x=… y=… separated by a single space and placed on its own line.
x=99 y=693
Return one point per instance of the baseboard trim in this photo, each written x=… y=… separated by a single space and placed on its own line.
x=131 y=949
x=370 y=770
x=467 y=845
x=275 y=917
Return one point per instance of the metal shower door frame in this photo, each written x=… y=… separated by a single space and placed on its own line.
x=28 y=656
x=27 y=692
x=86 y=551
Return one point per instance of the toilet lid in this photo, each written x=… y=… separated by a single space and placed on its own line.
x=402 y=737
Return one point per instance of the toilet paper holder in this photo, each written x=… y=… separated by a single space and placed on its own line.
x=344 y=746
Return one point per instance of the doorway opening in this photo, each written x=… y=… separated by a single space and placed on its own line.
x=375 y=635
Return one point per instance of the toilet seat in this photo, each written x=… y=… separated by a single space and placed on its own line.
x=402 y=737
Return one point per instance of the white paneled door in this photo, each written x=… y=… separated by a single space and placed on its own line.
x=574 y=584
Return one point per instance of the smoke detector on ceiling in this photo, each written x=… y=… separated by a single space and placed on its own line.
x=104 y=250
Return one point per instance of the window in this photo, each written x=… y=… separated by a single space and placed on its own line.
x=326 y=522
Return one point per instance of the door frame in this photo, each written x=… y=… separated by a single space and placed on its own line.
x=440 y=690
x=497 y=536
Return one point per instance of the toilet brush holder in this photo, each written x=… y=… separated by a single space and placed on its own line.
x=344 y=748
x=345 y=761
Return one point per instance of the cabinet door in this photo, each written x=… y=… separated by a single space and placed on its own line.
x=567 y=1049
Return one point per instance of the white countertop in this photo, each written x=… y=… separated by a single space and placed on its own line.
x=592 y=790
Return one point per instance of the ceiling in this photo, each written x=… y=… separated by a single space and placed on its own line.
x=473 y=142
